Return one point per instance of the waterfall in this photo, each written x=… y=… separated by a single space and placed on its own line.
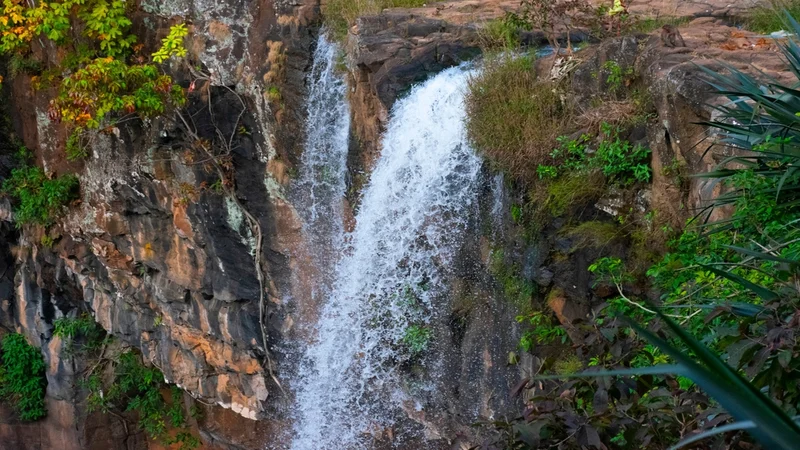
x=412 y=216
x=319 y=192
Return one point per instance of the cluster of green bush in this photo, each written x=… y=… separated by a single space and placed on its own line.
x=620 y=162
x=22 y=377
x=37 y=198
x=129 y=386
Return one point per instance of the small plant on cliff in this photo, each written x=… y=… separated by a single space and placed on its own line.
x=616 y=76
x=22 y=377
x=83 y=327
x=39 y=199
x=540 y=331
x=620 y=161
x=416 y=339
x=516 y=290
x=172 y=45
x=136 y=387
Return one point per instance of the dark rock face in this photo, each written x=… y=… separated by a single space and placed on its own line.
x=161 y=259
x=387 y=54
x=400 y=49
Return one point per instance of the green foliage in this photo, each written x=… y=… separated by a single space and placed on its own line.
x=616 y=76
x=516 y=213
x=341 y=14
x=37 y=198
x=512 y=117
x=504 y=33
x=172 y=45
x=22 y=377
x=107 y=85
x=620 y=162
x=18 y=64
x=516 y=290
x=104 y=21
x=546 y=172
x=83 y=327
x=572 y=189
x=541 y=330
x=273 y=95
x=649 y=24
x=593 y=233
x=727 y=315
x=96 y=79
x=568 y=365
x=768 y=16
x=136 y=387
x=774 y=428
x=416 y=339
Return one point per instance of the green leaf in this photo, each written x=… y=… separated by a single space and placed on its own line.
x=761 y=291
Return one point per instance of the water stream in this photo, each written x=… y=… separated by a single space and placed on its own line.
x=318 y=194
x=386 y=281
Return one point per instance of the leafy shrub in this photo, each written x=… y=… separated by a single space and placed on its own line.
x=102 y=20
x=107 y=23
x=621 y=162
x=39 y=199
x=22 y=377
x=107 y=85
x=503 y=33
x=136 y=387
x=172 y=45
x=341 y=14
x=83 y=327
x=416 y=339
x=96 y=80
x=616 y=76
x=513 y=117
x=540 y=330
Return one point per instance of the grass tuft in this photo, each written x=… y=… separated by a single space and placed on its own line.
x=594 y=234
x=569 y=190
x=769 y=17
x=513 y=117
x=650 y=24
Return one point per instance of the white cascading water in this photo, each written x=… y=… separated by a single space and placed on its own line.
x=319 y=192
x=412 y=216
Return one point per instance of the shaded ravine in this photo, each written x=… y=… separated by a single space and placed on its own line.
x=411 y=220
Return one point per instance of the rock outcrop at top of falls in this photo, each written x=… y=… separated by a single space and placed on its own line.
x=167 y=265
